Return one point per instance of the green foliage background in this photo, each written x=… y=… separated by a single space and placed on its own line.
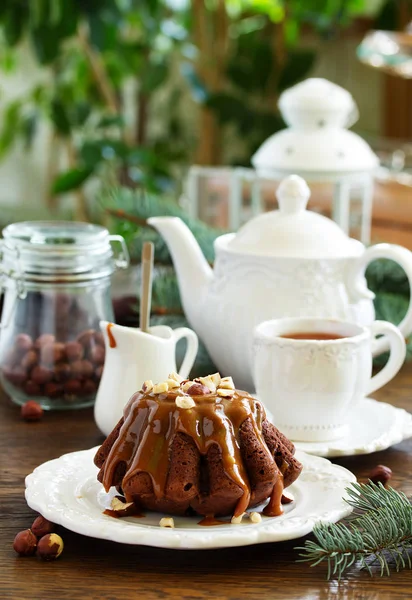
x=90 y=49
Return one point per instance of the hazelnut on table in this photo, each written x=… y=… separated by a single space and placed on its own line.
x=380 y=474
x=31 y=411
x=50 y=546
x=42 y=526
x=25 y=543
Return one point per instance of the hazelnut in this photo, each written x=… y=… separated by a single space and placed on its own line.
x=50 y=546
x=207 y=381
x=185 y=402
x=98 y=372
x=29 y=360
x=89 y=387
x=237 y=520
x=216 y=378
x=62 y=371
x=25 y=543
x=17 y=375
x=172 y=384
x=72 y=387
x=31 y=411
x=87 y=369
x=167 y=522
x=41 y=375
x=147 y=386
x=97 y=355
x=122 y=508
x=176 y=377
x=98 y=338
x=74 y=351
x=227 y=383
x=23 y=342
x=53 y=390
x=225 y=393
x=185 y=385
x=255 y=517
x=52 y=353
x=160 y=388
x=76 y=368
x=32 y=389
x=86 y=337
x=82 y=368
x=45 y=338
x=380 y=474
x=197 y=389
x=42 y=526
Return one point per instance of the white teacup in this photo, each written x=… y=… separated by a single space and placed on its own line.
x=312 y=385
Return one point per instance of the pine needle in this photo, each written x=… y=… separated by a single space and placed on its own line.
x=130 y=210
x=379 y=532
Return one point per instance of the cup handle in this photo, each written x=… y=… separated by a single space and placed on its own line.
x=191 y=350
x=358 y=290
x=397 y=349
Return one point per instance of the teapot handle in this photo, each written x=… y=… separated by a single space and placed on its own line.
x=358 y=290
x=191 y=350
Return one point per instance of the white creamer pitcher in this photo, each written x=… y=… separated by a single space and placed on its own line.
x=132 y=357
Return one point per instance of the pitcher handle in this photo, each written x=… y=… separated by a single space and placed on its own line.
x=397 y=354
x=191 y=350
x=357 y=287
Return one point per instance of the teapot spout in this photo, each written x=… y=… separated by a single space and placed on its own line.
x=194 y=273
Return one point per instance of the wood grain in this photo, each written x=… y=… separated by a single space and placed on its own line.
x=91 y=569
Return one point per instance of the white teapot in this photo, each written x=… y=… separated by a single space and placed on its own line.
x=289 y=262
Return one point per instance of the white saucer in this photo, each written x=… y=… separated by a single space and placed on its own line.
x=66 y=491
x=373 y=426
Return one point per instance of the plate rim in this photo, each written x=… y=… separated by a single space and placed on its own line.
x=397 y=432
x=188 y=538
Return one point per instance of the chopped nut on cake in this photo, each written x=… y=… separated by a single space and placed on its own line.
x=255 y=517
x=160 y=388
x=184 y=402
x=236 y=520
x=167 y=522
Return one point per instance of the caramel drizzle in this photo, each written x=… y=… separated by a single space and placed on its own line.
x=274 y=506
x=111 y=338
x=151 y=421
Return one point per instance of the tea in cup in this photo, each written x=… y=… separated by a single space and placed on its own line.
x=311 y=373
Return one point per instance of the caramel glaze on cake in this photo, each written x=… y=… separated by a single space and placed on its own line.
x=218 y=458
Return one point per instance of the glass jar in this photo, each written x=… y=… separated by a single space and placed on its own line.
x=56 y=282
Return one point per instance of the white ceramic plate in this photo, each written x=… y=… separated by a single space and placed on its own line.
x=373 y=426
x=66 y=491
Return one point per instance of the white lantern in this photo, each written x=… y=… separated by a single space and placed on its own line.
x=316 y=145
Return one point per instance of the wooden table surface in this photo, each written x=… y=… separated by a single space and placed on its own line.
x=91 y=568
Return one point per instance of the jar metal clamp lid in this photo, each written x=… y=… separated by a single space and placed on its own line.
x=58 y=252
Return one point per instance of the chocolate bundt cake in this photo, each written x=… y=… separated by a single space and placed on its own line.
x=200 y=446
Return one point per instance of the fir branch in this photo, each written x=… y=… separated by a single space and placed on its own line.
x=380 y=532
x=131 y=208
x=121 y=214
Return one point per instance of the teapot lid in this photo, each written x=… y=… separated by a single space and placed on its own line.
x=317 y=94
x=293 y=231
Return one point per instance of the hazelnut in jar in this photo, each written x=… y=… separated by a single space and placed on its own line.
x=56 y=291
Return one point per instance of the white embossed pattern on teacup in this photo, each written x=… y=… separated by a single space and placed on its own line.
x=311 y=385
